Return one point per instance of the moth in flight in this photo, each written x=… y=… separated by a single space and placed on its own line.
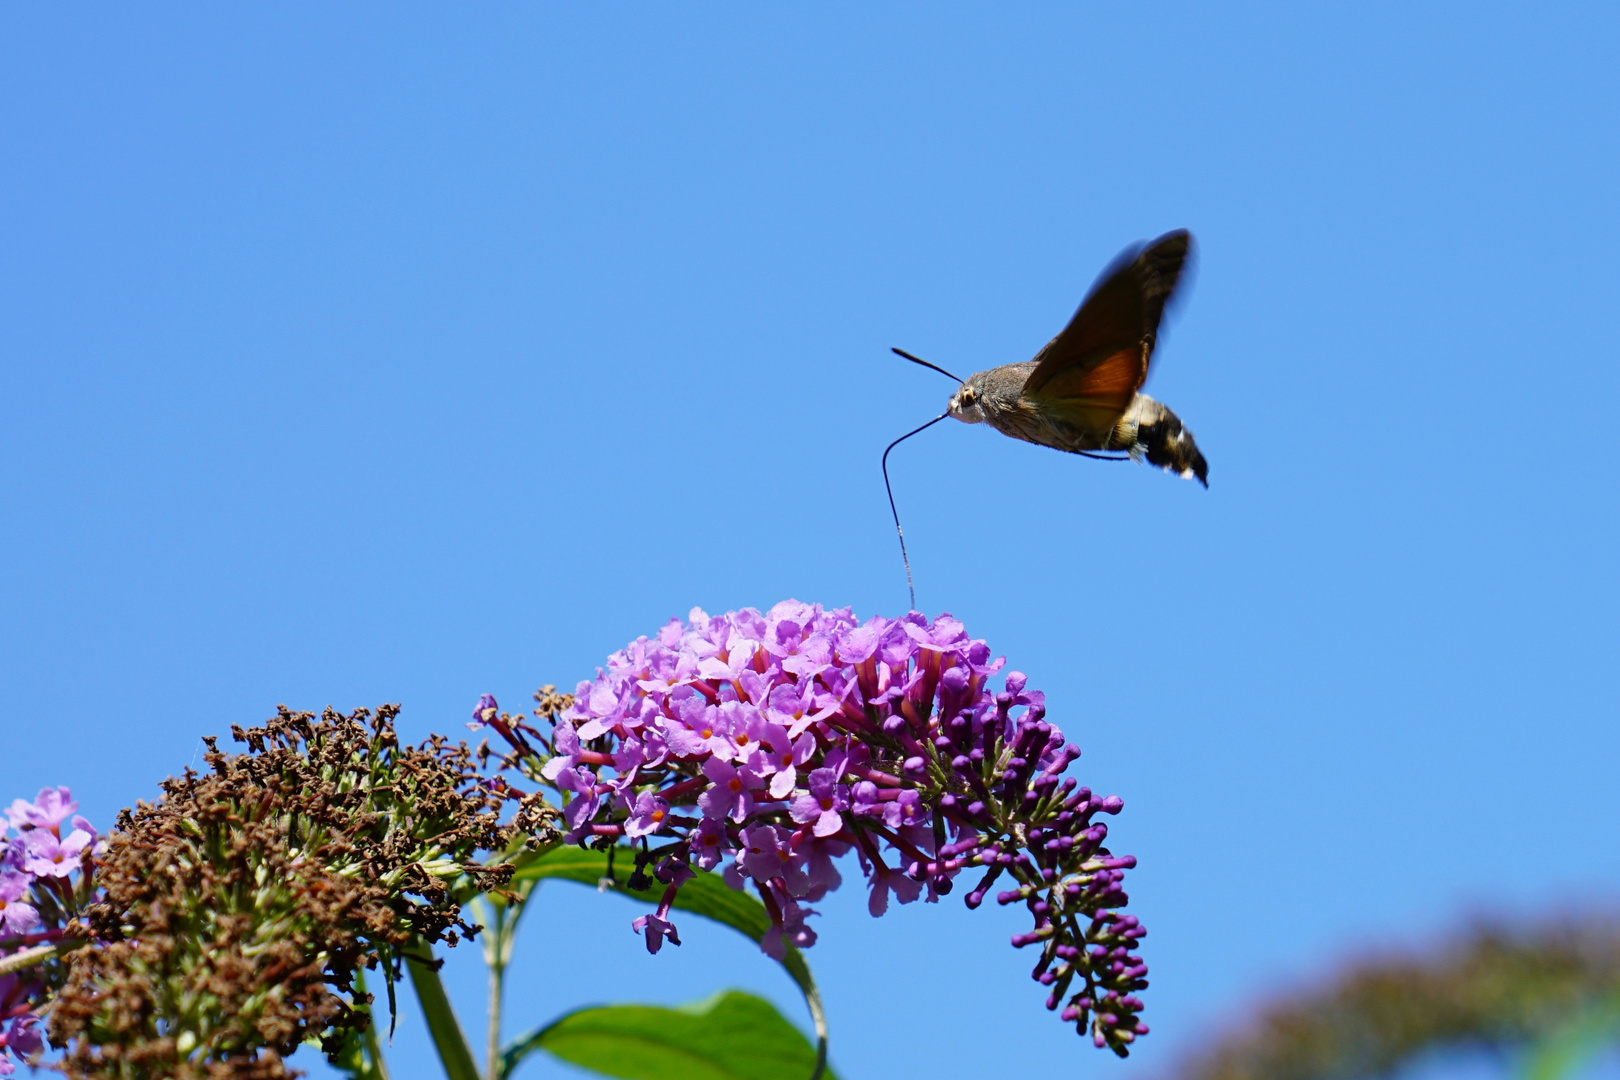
x=1082 y=392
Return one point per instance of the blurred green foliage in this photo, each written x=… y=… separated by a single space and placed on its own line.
x=1551 y=992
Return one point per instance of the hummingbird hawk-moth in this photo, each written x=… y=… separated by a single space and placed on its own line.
x=1082 y=392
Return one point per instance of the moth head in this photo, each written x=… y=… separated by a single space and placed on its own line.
x=966 y=404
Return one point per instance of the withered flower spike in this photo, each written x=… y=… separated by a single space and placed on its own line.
x=289 y=866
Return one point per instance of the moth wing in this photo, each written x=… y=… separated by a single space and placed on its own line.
x=1090 y=371
x=1093 y=398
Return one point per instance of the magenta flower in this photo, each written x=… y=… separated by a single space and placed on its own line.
x=700 y=728
x=767 y=853
x=487 y=713
x=647 y=815
x=883 y=881
x=780 y=756
x=17 y=915
x=568 y=749
x=581 y=783
x=708 y=844
x=801 y=734
x=25 y=1035
x=658 y=925
x=38 y=902
x=820 y=805
x=787 y=926
x=658 y=928
x=732 y=793
x=50 y=808
x=46 y=856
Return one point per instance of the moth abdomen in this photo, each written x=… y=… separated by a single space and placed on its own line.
x=1151 y=430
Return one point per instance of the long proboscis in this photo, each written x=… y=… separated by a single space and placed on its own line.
x=889 y=488
x=898 y=531
x=924 y=363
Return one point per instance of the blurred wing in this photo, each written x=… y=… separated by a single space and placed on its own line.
x=1091 y=370
x=1093 y=398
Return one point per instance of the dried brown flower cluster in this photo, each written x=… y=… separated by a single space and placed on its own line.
x=1493 y=988
x=239 y=907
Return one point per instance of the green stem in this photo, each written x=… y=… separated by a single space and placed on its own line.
x=502 y=913
x=38 y=954
x=378 y=1070
x=448 y=1038
x=496 y=957
x=493 y=1069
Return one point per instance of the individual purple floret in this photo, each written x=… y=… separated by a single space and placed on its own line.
x=776 y=742
x=48 y=810
x=45 y=855
x=22 y=1036
x=17 y=915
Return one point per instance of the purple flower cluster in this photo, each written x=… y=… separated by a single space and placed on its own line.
x=775 y=743
x=38 y=896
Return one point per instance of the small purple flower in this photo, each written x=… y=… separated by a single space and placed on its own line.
x=646 y=816
x=566 y=740
x=780 y=756
x=766 y=852
x=583 y=806
x=733 y=792
x=47 y=856
x=50 y=808
x=884 y=881
x=749 y=730
x=488 y=714
x=701 y=728
x=822 y=803
x=657 y=928
x=787 y=927
x=25 y=1036
x=17 y=916
x=821 y=876
x=673 y=871
x=709 y=843
x=658 y=925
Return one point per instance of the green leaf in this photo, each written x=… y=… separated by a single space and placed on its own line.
x=707 y=895
x=731 y=1036
x=1565 y=1050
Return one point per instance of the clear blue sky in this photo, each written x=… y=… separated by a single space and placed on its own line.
x=406 y=353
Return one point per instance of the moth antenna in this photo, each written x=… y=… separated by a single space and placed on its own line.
x=924 y=363
x=898 y=531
